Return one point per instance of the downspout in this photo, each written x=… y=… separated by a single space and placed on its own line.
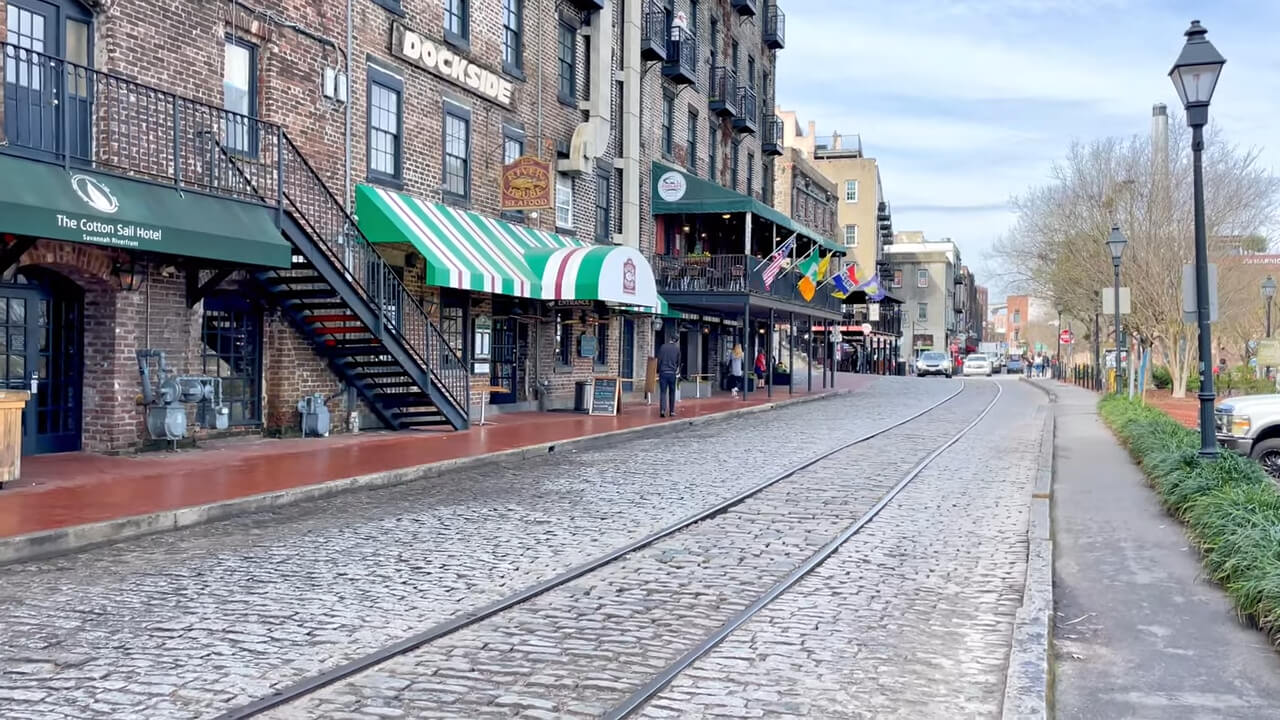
x=353 y=406
x=629 y=153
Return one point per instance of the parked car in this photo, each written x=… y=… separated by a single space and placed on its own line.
x=1014 y=365
x=977 y=364
x=1250 y=425
x=933 y=363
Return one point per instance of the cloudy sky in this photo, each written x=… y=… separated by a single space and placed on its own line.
x=966 y=103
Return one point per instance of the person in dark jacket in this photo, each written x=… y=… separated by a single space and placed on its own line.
x=668 y=372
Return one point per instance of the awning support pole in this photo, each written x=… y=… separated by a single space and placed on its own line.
x=791 y=353
x=809 y=364
x=746 y=345
x=768 y=371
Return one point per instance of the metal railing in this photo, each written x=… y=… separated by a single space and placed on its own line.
x=775 y=26
x=748 y=107
x=723 y=93
x=655 y=34
x=682 y=51
x=771 y=130
x=734 y=274
x=59 y=111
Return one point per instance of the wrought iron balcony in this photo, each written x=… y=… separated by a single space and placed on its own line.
x=748 y=118
x=771 y=139
x=653 y=40
x=775 y=27
x=734 y=274
x=588 y=5
x=722 y=97
x=681 y=66
x=745 y=8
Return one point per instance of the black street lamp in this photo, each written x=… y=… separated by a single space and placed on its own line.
x=1058 y=355
x=1195 y=75
x=1268 y=294
x=1115 y=243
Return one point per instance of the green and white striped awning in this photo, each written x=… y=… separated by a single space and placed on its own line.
x=470 y=251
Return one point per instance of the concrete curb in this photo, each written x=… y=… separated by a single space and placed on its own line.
x=1027 y=689
x=78 y=537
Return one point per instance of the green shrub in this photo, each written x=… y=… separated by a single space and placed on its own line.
x=1231 y=507
x=1161 y=378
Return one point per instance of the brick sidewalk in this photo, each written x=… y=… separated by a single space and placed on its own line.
x=76 y=489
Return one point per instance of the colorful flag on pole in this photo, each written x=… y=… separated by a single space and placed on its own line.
x=809 y=270
x=773 y=263
x=845 y=282
x=872 y=288
x=823 y=265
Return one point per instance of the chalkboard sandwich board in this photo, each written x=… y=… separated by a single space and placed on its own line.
x=604 y=396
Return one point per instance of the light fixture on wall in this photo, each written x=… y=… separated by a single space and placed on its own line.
x=130 y=275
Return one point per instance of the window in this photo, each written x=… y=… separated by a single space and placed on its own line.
x=386 y=124
x=851 y=235
x=668 y=120
x=851 y=191
x=564 y=201
x=764 y=89
x=232 y=351
x=715 y=41
x=457 y=18
x=240 y=95
x=457 y=152
x=691 y=141
x=602 y=342
x=713 y=153
x=512 y=36
x=452 y=321
x=586 y=68
x=751 y=173
x=922 y=278
x=733 y=166
x=564 y=339
x=617 y=201
x=693 y=17
x=897 y=278
x=751 y=72
x=922 y=311
x=568 y=54
x=512 y=149
x=733 y=55
x=603 y=196
x=1017 y=317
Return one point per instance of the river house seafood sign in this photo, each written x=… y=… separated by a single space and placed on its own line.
x=440 y=60
x=526 y=184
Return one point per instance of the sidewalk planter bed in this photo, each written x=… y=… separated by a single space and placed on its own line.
x=1230 y=506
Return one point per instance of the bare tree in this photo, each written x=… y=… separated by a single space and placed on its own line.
x=1057 y=249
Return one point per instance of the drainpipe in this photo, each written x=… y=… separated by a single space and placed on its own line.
x=629 y=153
x=346 y=194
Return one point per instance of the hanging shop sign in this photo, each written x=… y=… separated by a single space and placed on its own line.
x=526 y=184
x=438 y=59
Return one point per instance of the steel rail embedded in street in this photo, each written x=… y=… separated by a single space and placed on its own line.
x=312 y=684
x=664 y=678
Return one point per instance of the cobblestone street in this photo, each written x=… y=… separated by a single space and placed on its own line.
x=177 y=625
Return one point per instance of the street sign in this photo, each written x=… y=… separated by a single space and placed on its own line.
x=1066 y=337
x=1109 y=301
x=1269 y=352
x=1189 y=311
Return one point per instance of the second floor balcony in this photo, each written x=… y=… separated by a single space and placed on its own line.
x=653 y=38
x=747 y=119
x=681 y=66
x=722 y=97
x=735 y=275
x=771 y=135
x=745 y=8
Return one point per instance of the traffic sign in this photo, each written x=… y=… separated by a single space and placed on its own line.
x=1066 y=337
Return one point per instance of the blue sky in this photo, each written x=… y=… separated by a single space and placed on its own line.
x=966 y=103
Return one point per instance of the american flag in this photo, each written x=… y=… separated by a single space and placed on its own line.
x=773 y=264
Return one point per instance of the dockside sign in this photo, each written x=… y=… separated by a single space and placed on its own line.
x=440 y=60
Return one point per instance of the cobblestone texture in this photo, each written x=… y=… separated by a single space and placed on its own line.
x=909 y=619
x=576 y=651
x=182 y=624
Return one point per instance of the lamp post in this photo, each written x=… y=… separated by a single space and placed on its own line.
x=1195 y=74
x=1115 y=243
x=1268 y=294
x=1057 y=358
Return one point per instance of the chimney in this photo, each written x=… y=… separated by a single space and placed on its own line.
x=835 y=140
x=813 y=129
x=1160 y=139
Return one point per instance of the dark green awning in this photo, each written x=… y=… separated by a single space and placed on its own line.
x=675 y=191
x=46 y=201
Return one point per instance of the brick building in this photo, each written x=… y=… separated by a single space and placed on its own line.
x=230 y=146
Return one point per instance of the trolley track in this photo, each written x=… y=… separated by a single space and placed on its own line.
x=313 y=684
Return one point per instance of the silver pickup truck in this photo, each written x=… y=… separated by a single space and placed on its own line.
x=1250 y=425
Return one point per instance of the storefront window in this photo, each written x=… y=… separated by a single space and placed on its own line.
x=232 y=351
x=602 y=342
x=564 y=340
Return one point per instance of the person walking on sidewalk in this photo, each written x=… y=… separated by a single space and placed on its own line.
x=668 y=371
x=737 y=370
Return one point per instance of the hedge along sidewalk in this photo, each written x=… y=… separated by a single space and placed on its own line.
x=59 y=540
x=1230 y=505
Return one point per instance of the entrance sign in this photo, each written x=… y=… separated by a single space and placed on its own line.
x=439 y=60
x=604 y=395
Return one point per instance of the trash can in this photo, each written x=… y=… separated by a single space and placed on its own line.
x=581 y=390
x=12 y=403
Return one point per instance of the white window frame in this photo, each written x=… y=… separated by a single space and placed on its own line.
x=564 y=201
x=922 y=278
x=851 y=191
x=922 y=312
x=851 y=241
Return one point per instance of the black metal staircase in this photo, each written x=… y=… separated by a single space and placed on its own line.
x=339 y=293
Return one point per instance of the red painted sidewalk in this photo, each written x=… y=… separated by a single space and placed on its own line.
x=58 y=491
